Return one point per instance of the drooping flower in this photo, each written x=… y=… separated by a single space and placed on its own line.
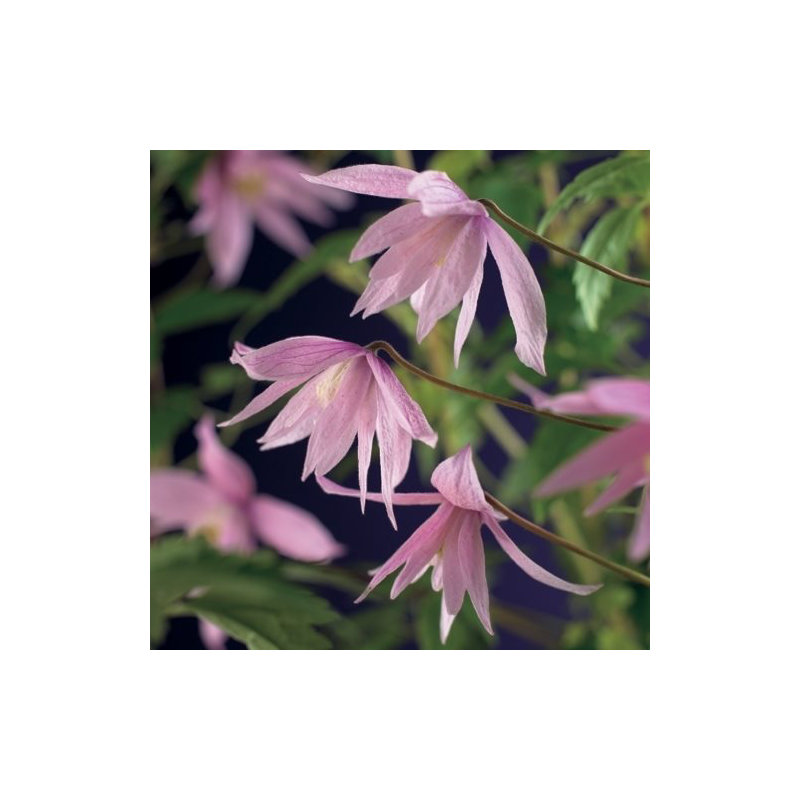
x=240 y=187
x=436 y=248
x=222 y=504
x=625 y=453
x=450 y=542
x=348 y=392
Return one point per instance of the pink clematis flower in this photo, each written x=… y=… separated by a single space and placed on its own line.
x=239 y=187
x=450 y=542
x=436 y=248
x=223 y=505
x=348 y=391
x=624 y=453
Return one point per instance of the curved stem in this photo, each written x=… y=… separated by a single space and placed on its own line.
x=630 y=574
x=492 y=398
x=620 y=276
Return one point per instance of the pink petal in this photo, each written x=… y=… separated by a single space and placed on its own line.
x=523 y=295
x=429 y=532
x=473 y=567
x=264 y=399
x=531 y=567
x=398 y=498
x=282 y=228
x=229 y=239
x=445 y=622
x=229 y=473
x=408 y=414
x=610 y=454
x=629 y=477
x=292 y=531
x=233 y=531
x=395 y=451
x=639 y=545
x=416 y=299
x=439 y=196
x=373 y=179
x=453 y=580
x=568 y=403
x=624 y=396
x=367 y=419
x=294 y=357
x=389 y=230
x=445 y=289
x=179 y=499
x=337 y=424
x=213 y=638
x=457 y=480
x=296 y=419
x=467 y=313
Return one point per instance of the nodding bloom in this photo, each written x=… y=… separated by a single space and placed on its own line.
x=625 y=453
x=222 y=505
x=348 y=391
x=240 y=187
x=450 y=542
x=435 y=248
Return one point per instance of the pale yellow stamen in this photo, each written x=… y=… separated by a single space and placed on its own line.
x=250 y=186
x=329 y=382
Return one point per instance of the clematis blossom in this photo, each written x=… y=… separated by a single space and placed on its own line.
x=238 y=188
x=625 y=453
x=435 y=248
x=222 y=504
x=348 y=392
x=450 y=542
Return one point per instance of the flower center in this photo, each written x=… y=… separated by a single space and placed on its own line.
x=250 y=186
x=329 y=382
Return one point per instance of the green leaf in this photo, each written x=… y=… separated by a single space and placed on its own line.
x=175 y=410
x=608 y=242
x=624 y=174
x=202 y=306
x=244 y=595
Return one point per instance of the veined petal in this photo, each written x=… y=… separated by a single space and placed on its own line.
x=610 y=454
x=390 y=229
x=473 y=567
x=416 y=299
x=265 y=399
x=373 y=179
x=446 y=620
x=531 y=567
x=439 y=196
x=445 y=289
x=295 y=420
x=367 y=419
x=297 y=356
x=454 y=582
x=429 y=532
x=229 y=473
x=523 y=295
x=395 y=451
x=398 y=498
x=457 y=480
x=337 y=424
x=292 y=531
x=467 y=314
x=407 y=412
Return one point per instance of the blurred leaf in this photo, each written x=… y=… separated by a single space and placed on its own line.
x=202 y=306
x=624 y=174
x=608 y=242
x=174 y=410
x=459 y=164
x=467 y=632
x=244 y=595
x=178 y=167
x=220 y=379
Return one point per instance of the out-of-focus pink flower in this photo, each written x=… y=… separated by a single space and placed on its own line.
x=450 y=542
x=222 y=504
x=240 y=187
x=348 y=391
x=625 y=454
x=436 y=248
